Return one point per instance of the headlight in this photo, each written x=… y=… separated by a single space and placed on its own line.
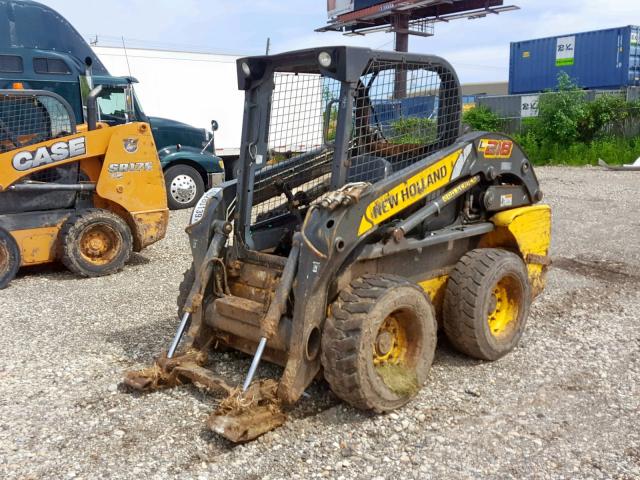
x=324 y=59
x=246 y=69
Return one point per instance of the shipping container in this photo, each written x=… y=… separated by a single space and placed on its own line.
x=603 y=59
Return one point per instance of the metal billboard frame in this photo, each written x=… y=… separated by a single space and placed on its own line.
x=411 y=17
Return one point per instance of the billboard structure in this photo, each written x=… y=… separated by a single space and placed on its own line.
x=404 y=17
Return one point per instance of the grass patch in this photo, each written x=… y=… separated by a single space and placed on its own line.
x=615 y=151
x=399 y=379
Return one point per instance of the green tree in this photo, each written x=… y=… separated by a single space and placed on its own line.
x=561 y=113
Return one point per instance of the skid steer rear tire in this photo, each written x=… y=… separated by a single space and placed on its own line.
x=10 y=259
x=378 y=342
x=486 y=303
x=94 y=243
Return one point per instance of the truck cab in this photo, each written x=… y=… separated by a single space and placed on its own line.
x=186 y=153
x=40 y=50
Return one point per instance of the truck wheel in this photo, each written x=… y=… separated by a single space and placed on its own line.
x=378 y=342
x=486 y=303
x=10 y=259
x=94 y=243
x=184 y=186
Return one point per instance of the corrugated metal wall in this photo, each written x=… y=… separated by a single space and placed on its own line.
x=513 y=108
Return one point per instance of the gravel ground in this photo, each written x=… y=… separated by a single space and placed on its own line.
x=564 y=404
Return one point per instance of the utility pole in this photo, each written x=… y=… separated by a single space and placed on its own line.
x=400 y=25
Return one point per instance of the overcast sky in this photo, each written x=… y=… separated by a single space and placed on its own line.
x=479 y=49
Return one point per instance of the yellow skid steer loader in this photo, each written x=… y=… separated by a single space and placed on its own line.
x=361 y=223
x=85 y=195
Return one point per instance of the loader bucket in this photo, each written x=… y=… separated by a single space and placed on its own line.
x=172 y=372
x=244 y=416
x=240 y=416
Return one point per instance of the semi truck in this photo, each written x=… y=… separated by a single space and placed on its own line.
x=40 y=49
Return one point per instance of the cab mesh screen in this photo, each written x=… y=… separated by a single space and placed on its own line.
x=302 y=125
x=402 y=112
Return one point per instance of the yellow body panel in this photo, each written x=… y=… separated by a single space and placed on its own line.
x=529 y=230
x=151 y=226
x=133 y=180
x=407 y=193
x=37 y=245
x=434 y=287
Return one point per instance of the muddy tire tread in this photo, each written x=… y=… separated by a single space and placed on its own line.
x=67 y=255
x=343 y=331
x=464 y=292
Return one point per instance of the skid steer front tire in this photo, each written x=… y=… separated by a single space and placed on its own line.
x=378 y=342
x=486 y=303
x=94 y=243
x=10 y=258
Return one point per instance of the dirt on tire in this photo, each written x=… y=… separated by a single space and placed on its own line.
x=349 y=333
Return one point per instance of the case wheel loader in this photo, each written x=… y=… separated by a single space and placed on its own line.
x=344 y=246
x=85 y=195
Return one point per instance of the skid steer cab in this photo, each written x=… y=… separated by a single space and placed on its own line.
x=360 y=224
x=86 y=196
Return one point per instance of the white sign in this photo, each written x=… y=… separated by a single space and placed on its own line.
x=529 y=106
x=339 y=7
x=565 y=51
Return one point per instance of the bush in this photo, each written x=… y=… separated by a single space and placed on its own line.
x=481 y=118
x=561 y=114
x=570 y=130
x=414 y=131
x=614 y=150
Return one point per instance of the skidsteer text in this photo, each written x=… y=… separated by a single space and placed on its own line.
x=130 y=167
x=59 y=151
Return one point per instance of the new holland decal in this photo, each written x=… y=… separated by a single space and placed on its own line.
x=407 y=193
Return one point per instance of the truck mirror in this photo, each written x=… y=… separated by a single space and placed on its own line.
x=214 y=125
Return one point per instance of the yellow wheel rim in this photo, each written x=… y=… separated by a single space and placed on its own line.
x=390 y=344
x=100 y=244
x=503 y=306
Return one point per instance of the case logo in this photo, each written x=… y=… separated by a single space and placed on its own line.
x=58 y=152
x=130 y=145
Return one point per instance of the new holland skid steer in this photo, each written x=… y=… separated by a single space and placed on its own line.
x=85 y=195
x=362 y=221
